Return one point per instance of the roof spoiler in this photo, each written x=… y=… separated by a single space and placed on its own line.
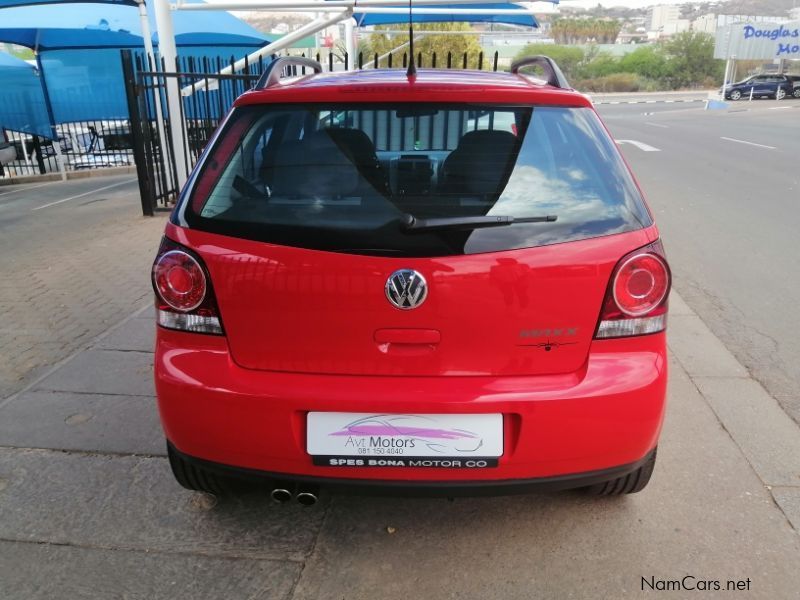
x=552 y=73
x=272 y=74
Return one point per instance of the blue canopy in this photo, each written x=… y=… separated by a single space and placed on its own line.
x=22 y=105
x=9 y=3
x=12 y=62
x=58 y=25
x=523 y=18
x=78 y=46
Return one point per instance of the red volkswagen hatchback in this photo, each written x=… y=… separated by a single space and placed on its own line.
x=448 y=282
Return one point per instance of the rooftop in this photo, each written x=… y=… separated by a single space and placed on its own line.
x=436 y=85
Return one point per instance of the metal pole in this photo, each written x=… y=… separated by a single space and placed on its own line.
x=350 y=44
x=314 y=5
x=48 y=105
x=725 y=79
x=168 y=53
x=375 y=10
x=147 y=36
x=142 y=171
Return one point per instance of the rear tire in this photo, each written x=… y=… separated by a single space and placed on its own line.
x=633 y=482
x=194 y=478
x=796 y=92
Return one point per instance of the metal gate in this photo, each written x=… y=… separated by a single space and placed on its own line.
x=147 y=87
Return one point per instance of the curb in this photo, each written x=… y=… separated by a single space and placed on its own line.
x=70 y=175
x=767 y=437
x=648 y=101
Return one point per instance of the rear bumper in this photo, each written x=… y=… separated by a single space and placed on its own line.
x=393 y=487
x=559 y=431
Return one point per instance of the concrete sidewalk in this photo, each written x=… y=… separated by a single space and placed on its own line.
x=75 y=256
x=89 y=509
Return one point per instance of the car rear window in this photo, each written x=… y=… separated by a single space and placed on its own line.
x=347 y=178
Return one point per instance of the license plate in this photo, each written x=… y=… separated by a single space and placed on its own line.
x=404 y=440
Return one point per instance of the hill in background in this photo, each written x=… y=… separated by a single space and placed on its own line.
x=690 y=10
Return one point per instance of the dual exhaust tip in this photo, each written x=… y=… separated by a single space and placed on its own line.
x=304 y=496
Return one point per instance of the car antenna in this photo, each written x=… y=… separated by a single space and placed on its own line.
x=412 y=67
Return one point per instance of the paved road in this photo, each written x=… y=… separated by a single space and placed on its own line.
x=725 y=186
x=74 y=259
x=89 y=509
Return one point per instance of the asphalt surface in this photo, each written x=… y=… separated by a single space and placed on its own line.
x=725 y=189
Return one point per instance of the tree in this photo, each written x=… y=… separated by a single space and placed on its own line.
x=600 y=65
x=452 y=41
x=581 y=31
x=647 y=61
x=691 y=60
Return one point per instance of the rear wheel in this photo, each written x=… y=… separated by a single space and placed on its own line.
x=796 y=92
x=633 y=482
x=736 y=95
x=194 y=478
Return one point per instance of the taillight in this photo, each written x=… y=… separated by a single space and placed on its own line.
x=636 y=300
x=184 y=296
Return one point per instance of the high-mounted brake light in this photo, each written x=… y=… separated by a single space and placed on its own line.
x=636 y=301
x=184 y=298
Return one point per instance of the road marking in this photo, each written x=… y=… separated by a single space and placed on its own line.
x=749 y=143
x=657 y=125
x=640 y=145
x=108 y=187
x=780 y=107
x=24 y=189
x=646 y=101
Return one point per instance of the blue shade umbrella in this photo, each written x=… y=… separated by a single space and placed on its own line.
x=58 y=25
x=78 y=46
x=22 y=104
x=366 y=19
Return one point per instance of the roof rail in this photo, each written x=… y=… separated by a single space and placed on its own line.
x=552 y=73
x=272 y=74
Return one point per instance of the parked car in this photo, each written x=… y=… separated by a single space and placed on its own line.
x=795 y=79
x=767 y=85
x=8 y=152
x=404 y=296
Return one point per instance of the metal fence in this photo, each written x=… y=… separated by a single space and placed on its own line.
x=147 y=85
x=82 y=144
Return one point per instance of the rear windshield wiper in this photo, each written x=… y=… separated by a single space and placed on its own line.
x=412 y=223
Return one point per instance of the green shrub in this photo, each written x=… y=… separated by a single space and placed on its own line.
x=616 y=82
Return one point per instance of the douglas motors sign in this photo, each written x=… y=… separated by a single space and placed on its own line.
x=758 y=41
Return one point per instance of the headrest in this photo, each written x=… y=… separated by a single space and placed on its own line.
x=314 y=167
x=484 y=140
x=354 y=142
